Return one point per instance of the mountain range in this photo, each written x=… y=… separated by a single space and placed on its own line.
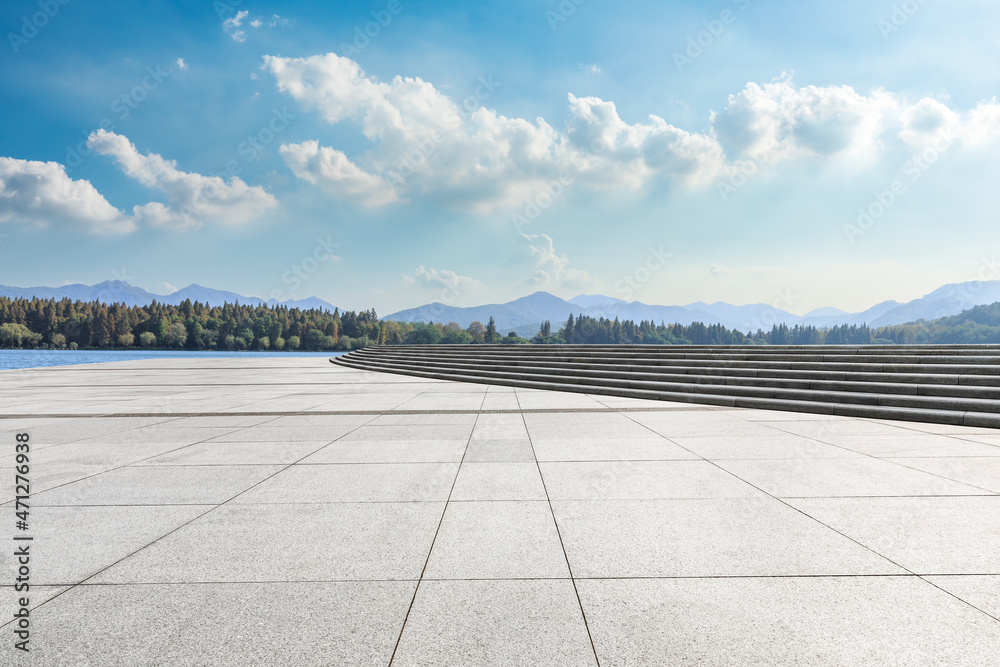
x=119 y=291
x=526 y=314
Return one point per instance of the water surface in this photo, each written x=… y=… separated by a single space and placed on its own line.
x=37 y=358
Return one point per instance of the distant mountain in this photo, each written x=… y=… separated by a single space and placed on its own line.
x=119 y=291
x=526 y=314
x=528 y=310
x=591 y=300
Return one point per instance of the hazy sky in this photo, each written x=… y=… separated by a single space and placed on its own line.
x=803 y=153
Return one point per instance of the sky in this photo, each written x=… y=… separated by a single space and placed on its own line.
x=393 y=153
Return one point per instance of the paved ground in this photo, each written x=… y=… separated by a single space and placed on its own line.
x=285 y=511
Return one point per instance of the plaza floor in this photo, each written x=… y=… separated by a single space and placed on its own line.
x=288 y=511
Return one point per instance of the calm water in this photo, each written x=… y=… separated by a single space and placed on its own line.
x=36 y=358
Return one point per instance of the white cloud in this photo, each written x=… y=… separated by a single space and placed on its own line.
x=192 y=199
x=552 y=270
x=467 y=156
x=779 y=119
x=278 y=21
x=163 y=288
x=43 y=195
x=717 y=270
x=445 y=279
x=331 y=170
x=590 y=69
x=232 y=26
x=982 y=124
x=181 y=64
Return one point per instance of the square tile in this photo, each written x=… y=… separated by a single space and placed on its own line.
x=638 y=480
x=356 y=482
x=930 y=535
x=651 y=448
x=822 y=621
x=498 y=481
x=343 y=623
x=500 y=450
x=166 y=485
x=773 y=446
x=705 y=538
x=236 y=453
x=796 y=478
x=980 y=472
x=495 y=624
x=78 y=542
x=497 y=540
x=310 y=542
x=390 y=451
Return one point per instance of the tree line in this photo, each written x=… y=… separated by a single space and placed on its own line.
x=30 y=323
x=50 y=323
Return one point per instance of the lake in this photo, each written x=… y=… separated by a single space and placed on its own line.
x=36 y=358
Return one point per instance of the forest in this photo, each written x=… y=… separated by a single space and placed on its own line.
x=50 y=323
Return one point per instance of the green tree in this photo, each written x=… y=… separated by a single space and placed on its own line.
x=491 y=331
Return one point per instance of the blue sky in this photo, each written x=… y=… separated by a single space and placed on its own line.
x=805 y=154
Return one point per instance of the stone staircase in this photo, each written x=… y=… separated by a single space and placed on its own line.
x=950 y=384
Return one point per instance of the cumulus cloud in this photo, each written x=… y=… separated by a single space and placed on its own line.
x=445 y=279
x=467 y=156
x=42 y=194
x=779 y=119
x=181 y=64
x=192 y=199
x=334 y=172
x=552 y=270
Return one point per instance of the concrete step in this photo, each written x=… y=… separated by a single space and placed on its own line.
x=858 y=395
x=882 y=383
x=888 y=366
x=693 y=367
x=951 y=412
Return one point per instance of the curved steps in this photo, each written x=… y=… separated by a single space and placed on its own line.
x=952 y=384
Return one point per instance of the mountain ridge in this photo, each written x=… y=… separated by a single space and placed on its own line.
x=525 y=314
x=119 y=291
